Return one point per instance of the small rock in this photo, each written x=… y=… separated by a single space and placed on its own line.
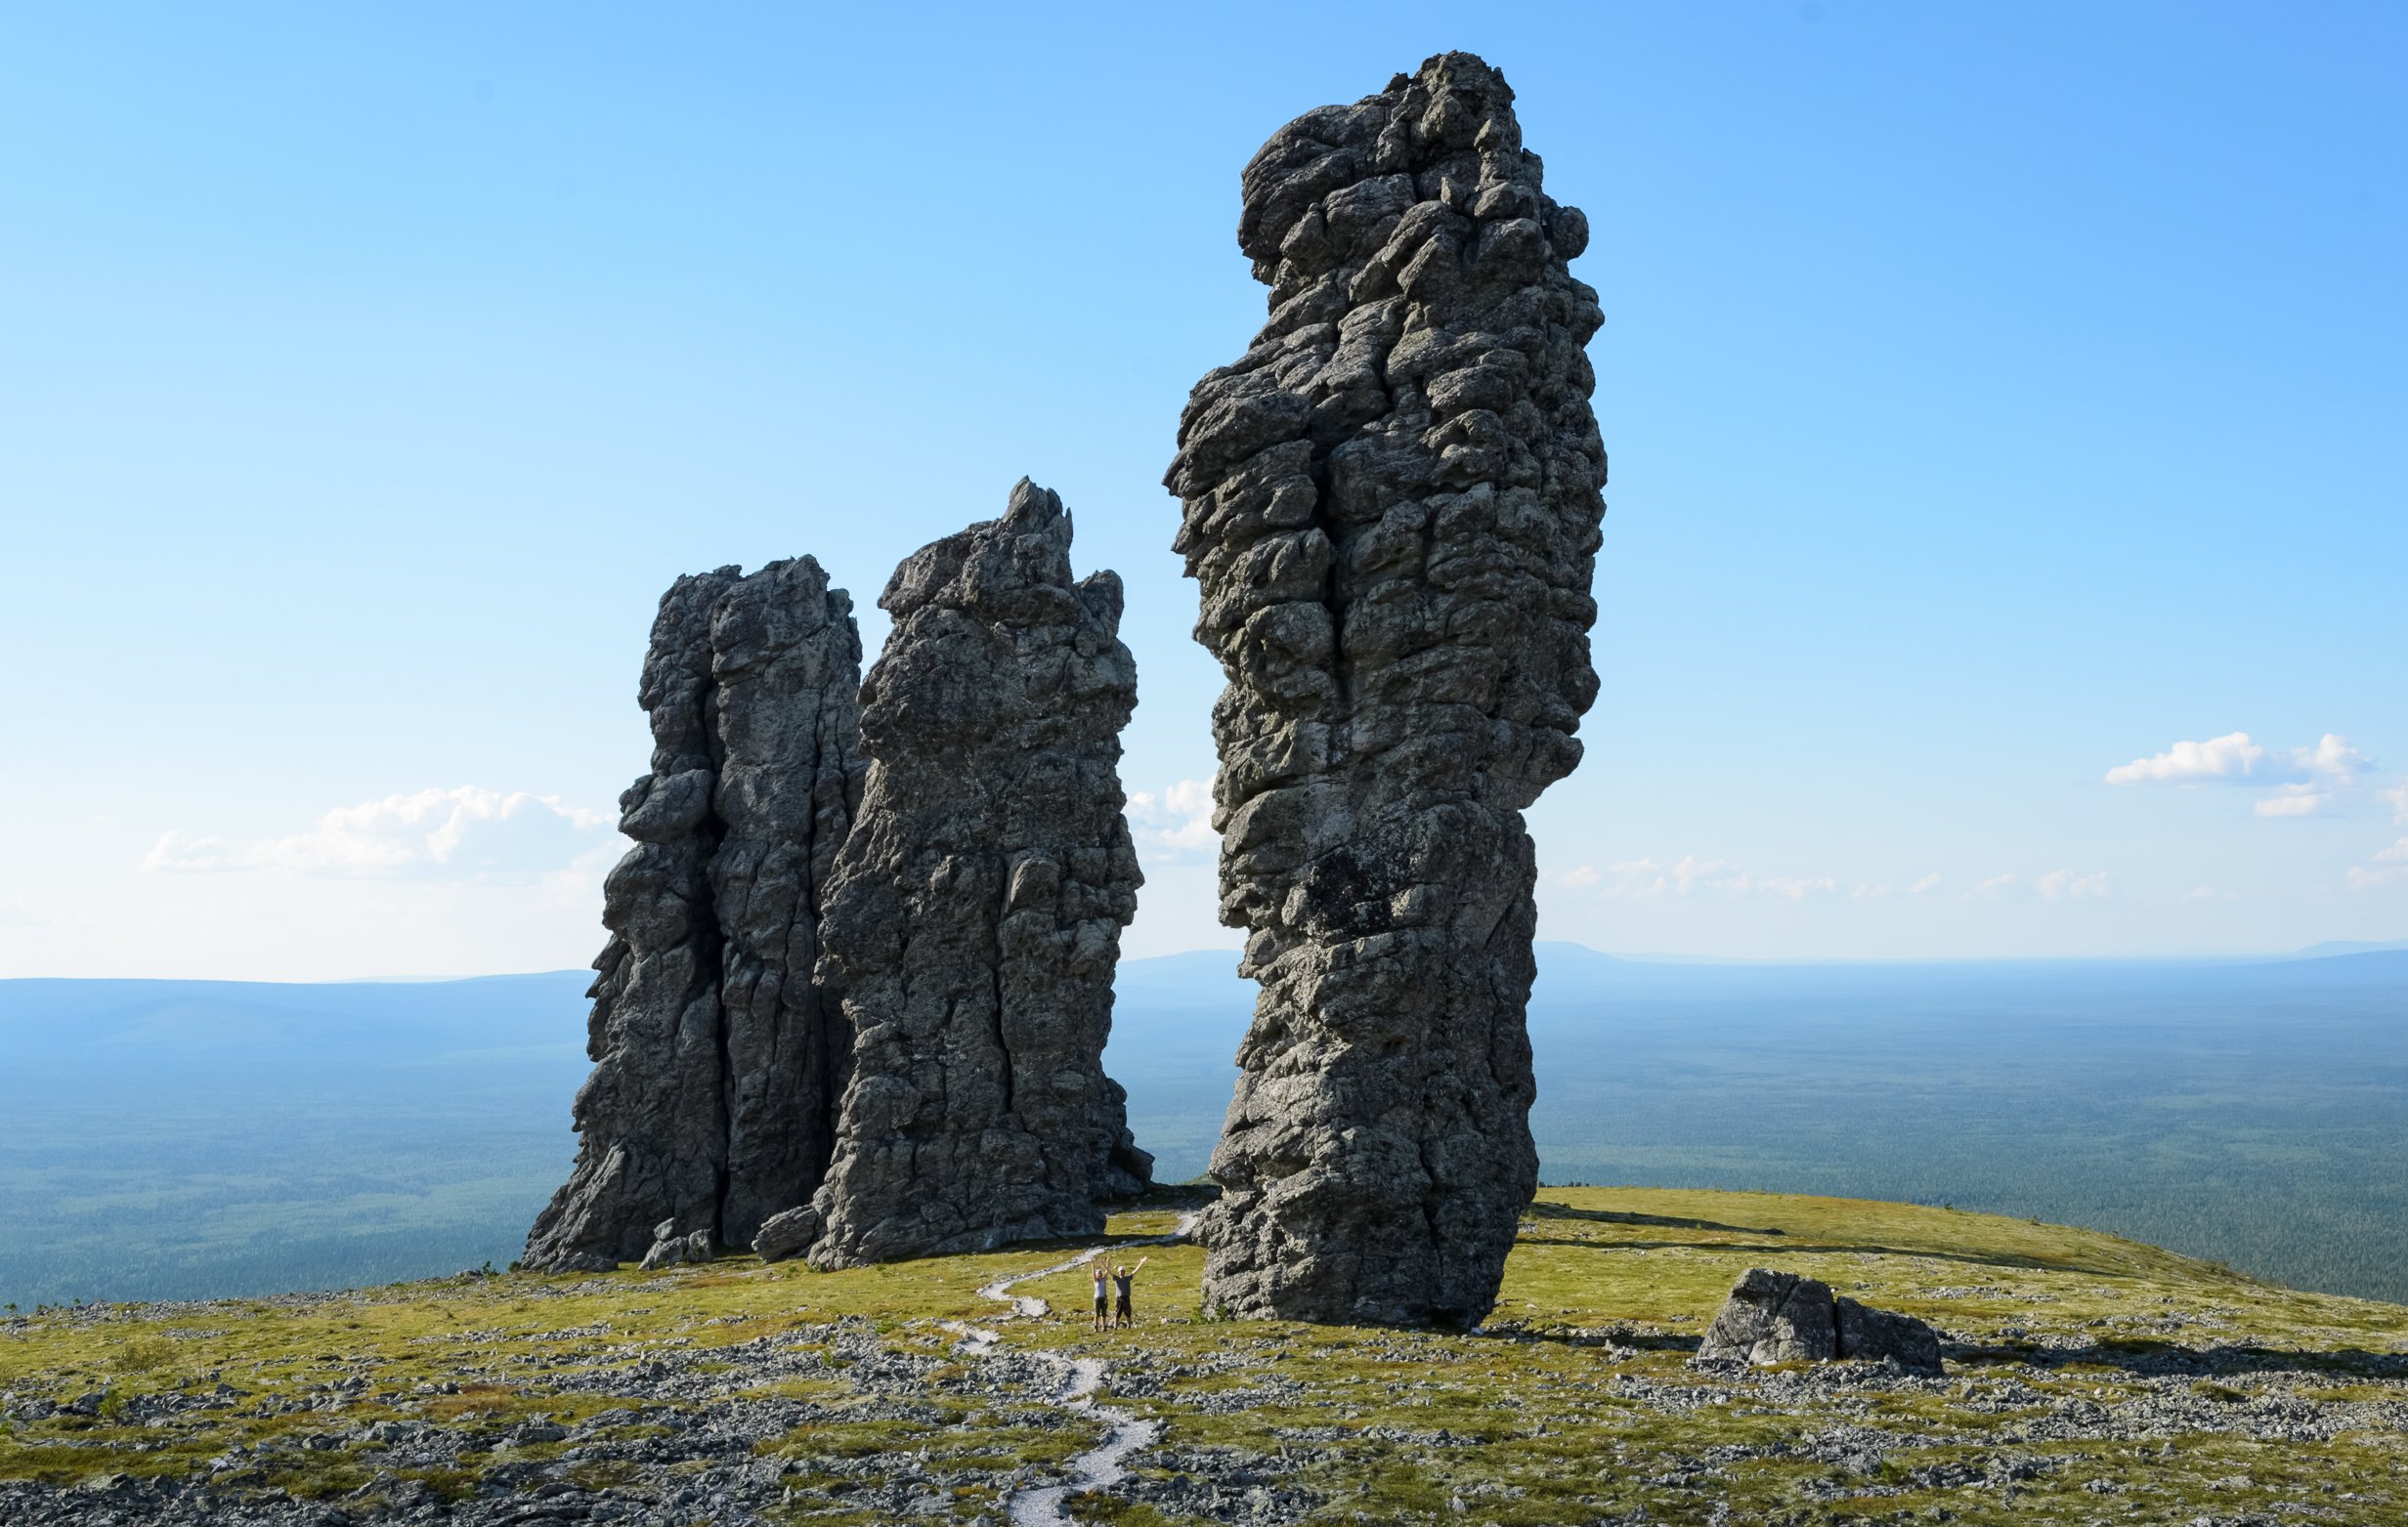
x=672 y=1249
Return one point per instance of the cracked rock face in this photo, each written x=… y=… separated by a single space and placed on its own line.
x=1776 y=1317
x=717 y=1061
x=974 y=919
x=1390 y=504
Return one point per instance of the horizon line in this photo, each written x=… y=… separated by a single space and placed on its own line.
x=2328 y=949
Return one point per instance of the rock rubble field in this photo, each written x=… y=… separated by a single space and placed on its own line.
x=2084 y=1380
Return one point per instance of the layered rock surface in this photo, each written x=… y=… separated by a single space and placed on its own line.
x=717 y=1062
x=1391 y=505
x=973 y=919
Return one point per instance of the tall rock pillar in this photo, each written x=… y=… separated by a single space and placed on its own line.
x=1391 y=502
x=717 y=1061
x=973 y=920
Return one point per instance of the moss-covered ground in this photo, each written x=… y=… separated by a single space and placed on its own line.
x=2089 y=1380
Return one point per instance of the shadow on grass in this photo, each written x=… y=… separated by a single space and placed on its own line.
x=2161 y=1359
x=1543 y=1210
x=1619 y=1336
x=1831 y=1249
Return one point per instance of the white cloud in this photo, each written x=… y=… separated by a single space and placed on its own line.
x=2331 y=758
x=1177 y=822
x=1870 y=893
x=1992 y=886
x=1646 y=879
x=1926 y=885
x=2293 y=800
x=2398 y=798
x=1579 y=878
x=463 y=834
x=2235 y=759
x=1795 y=887
x=2208 y=893
x=2232 y=756
x=2392 y=863
x=2065 y=885
x=182 y=852
x=2302 y=781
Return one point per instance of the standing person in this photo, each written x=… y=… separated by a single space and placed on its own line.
x=1122 y=1277
x=1100 y=1305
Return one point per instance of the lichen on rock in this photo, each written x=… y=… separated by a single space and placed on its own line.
x=1390 y=504
x=974 y=918
x=717 y=1062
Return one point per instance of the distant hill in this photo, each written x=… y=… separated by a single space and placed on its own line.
x=2330 y=948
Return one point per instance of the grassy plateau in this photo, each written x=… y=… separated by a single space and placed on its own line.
x=2089 y=1380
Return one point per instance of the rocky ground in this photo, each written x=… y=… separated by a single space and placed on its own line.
x=2087 y=1380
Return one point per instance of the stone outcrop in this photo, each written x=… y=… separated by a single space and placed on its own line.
x=1391 y=505
x=717 y=1061
x=974 y=919
x=1778 y=1317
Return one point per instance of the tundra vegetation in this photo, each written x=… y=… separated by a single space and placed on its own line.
x=2088 y=1380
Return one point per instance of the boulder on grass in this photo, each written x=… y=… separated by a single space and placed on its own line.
x=788 y=1234
x=1777 y=1316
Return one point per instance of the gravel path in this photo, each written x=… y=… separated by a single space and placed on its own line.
x=1100 y=1465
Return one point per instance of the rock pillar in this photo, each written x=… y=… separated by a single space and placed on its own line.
x=717 y=1061
x=974 y=919
x=1391 y=502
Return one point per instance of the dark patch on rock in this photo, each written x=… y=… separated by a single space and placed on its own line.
x=1390 y=504
x=717 y=1061
x=973 y=919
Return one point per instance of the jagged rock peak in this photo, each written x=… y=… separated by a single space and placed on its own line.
x=717 y=1063
x=974 y=919
x=1390 y=504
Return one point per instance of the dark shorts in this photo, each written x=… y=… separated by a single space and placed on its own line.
x=1098 y=1303
x=1120 y=1306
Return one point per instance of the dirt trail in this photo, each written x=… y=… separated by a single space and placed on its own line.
x=1100 y=1464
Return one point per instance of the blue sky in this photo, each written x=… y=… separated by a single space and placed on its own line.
x=1996 y=398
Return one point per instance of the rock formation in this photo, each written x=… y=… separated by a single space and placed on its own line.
x=1392 y=504
x=974 y=919
x=717 y=1062
x=1778 y=1317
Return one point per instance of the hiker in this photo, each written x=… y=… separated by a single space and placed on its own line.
x=1121 y=1278
x=1100 y=1321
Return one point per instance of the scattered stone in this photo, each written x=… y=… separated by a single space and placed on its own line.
x=672 y=1249
x=1390 y=504
x=716 y=1058
x=973 y=919
x=1777 y=1316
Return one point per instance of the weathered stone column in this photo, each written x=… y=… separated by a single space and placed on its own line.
x=973 y=921
x=1391 y=506
x=715 y=1059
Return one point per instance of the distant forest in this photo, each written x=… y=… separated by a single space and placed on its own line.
x=189 y=1139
